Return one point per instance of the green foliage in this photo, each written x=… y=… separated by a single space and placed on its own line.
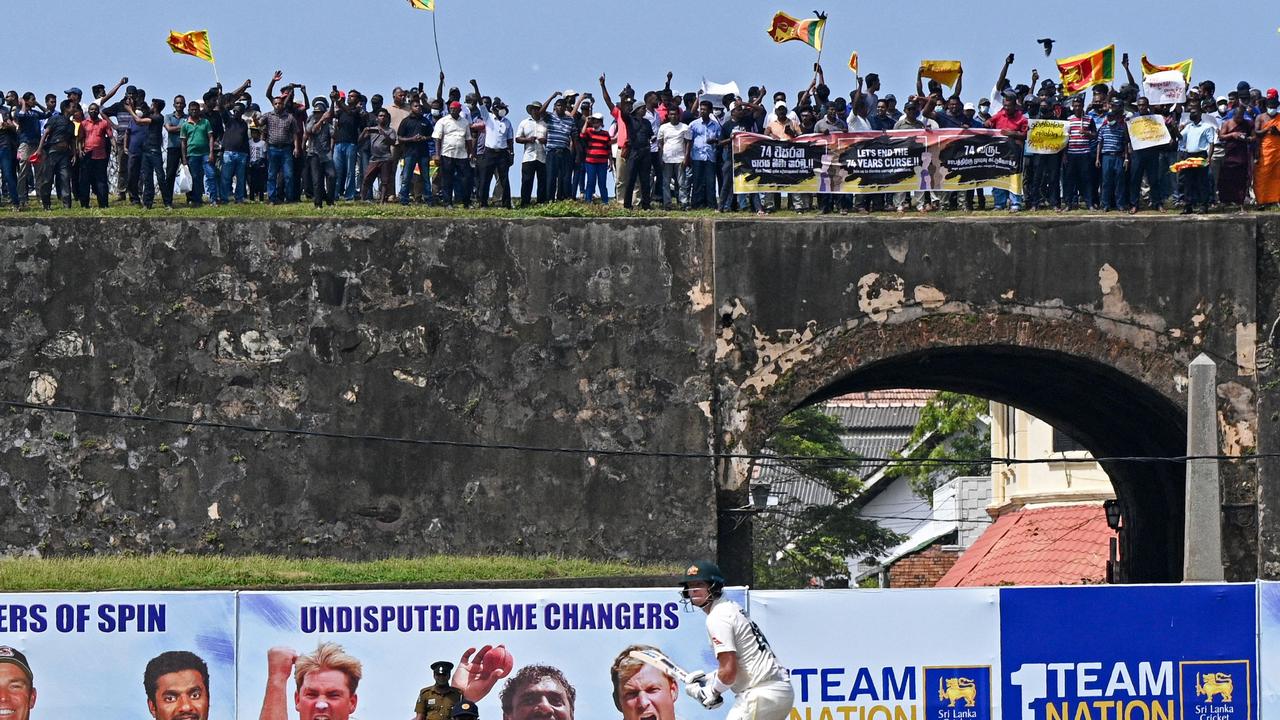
x=949 y=429
x=793 y=543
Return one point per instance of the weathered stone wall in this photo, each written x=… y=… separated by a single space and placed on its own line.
x=575 y=335
x=1089 y=324
x=628 y=335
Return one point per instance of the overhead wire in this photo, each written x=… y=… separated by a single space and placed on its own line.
x=603 y=452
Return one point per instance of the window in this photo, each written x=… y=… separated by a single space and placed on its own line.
x=1063 y=442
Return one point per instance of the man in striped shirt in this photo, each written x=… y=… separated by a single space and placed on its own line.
x=1081 y=133
x=1113 y=159
x=560 y=149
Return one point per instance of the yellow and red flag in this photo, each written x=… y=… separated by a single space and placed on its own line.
x=853 y=62
x=423 y=5
x=1080 y=72
x=944 y=71
x=194 y=43
x=1184 y=67
x=809 y=31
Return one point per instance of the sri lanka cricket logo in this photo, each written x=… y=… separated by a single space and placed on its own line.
x=962 y=689
x=957 y=693
x=1217 y=683
x=1215 y=690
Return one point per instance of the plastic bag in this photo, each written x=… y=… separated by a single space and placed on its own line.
x=183 y=183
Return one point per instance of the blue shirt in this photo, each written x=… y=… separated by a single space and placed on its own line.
x=29 y=125
x=704 y=135
x=174 y=119
x=1197 y=137
x=1113 y=136
x=137 y=136
x=559 y=130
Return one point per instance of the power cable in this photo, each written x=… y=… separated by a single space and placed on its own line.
x=607 y=452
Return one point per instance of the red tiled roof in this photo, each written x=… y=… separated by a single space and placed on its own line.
x=1064 y=545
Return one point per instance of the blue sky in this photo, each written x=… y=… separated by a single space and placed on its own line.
x=522 y=51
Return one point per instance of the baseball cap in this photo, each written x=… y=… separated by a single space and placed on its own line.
x=74 y=91
x=455 y=104
x=320 y=104
x=984 y=102
x=13 y=655
x=970 y=106
x=464 y=709
x=534 y=104
x=569 y=93
x=1224 y=100
x=1242 y=86
x=597 y=116
x=1272 y=92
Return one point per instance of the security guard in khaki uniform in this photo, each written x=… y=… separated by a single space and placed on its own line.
x=437 y=701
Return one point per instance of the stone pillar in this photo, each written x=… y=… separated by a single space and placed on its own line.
x=1202 y=553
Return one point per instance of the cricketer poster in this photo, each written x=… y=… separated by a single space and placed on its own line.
x=119 y=655
x=1170 y=652
x=563 y=647
x=928 y=654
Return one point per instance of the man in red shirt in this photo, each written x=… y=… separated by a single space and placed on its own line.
x=95 y=147
x=1013 y=122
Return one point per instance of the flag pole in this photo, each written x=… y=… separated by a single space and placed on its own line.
x=436 y=36
x=217 y=80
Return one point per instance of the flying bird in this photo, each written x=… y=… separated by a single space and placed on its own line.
x=1048 y=45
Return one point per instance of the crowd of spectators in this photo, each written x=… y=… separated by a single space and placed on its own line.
x=661 y=148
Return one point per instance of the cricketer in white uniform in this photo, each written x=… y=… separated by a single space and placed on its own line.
x=747 y=665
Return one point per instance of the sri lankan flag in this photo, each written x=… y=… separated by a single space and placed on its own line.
x=808 y=31
x=1183 y=67
x=423 y=5
x=194 y=43
x=1080 y=72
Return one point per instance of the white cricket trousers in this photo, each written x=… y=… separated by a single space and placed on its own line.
x=771 y=701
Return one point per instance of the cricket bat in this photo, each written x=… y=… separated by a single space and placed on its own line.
x=665 y=664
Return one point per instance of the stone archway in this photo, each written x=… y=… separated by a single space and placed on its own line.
x=1116 y=399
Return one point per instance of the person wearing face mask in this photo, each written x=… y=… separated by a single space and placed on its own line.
x=1196 y=141
x=499 y=149
x=1113 y=159
x=1266 y=175
x=95 y=137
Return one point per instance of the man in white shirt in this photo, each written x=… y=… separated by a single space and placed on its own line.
x=453 y=153
x=746 y=664
x=673 y=144
x=499 y=152
x=1196 y=141
x=532 y=134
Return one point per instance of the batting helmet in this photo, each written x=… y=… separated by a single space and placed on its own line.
x=705 y=571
